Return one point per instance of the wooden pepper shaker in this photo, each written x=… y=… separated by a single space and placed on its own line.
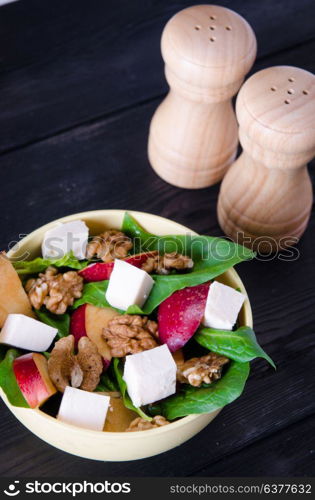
x=266 y=197
x=207 y=51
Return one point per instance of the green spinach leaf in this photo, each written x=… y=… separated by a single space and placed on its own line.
x=107 y=383
x=206 y=251
x=123 y=389
x=39 y=264
x=94 y=293
x=8 y=381
x=240 y=345
x=60 y=321
x=212 y=257
x=192 y=400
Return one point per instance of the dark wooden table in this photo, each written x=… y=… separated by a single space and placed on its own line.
x=79 y=83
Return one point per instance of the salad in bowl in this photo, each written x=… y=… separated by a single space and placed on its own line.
x=111 y=330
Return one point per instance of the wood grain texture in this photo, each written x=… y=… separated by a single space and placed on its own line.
x=266 y=196
x=103 y=164
x=283 y=303
x=193 y=134
x=270 y=403
x=88 y=168
x=58 y=58
x=289 y=453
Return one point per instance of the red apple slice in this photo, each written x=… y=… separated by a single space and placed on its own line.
x=180 y=315
x=32 y=377
x=97 y=272
x=77 y=324
x=102 y=270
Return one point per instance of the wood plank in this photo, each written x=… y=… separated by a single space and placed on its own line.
x=271 y=401
x=104 y=166
x=91 y=167
x=289 y=453
x=65 y=63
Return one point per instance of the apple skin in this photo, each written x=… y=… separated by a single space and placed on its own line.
x=97 y=272
x=102 y=270
x=180 y=315
x=32 y=377
x=77 y=324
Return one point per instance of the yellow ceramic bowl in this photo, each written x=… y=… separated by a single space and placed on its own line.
x=115 y=446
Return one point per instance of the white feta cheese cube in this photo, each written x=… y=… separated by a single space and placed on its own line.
x=83 y=408
x=222 y=307
x=128 y=285
x=150 y=375
x=66 y=237
x=27 y=333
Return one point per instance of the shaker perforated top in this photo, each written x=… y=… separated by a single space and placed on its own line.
x=210 y=36
x=278 y=104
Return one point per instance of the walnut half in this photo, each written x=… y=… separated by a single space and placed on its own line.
x=55 y=290
x=82 y=370
x=163 y=264
x=129 y=334
x=109 y=245
x=139 y=424
x=197 y=371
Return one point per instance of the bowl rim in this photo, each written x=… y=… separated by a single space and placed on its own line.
x=182 y=421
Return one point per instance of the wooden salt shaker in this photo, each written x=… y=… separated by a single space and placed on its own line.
x=193 y=135
x=266 y=196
